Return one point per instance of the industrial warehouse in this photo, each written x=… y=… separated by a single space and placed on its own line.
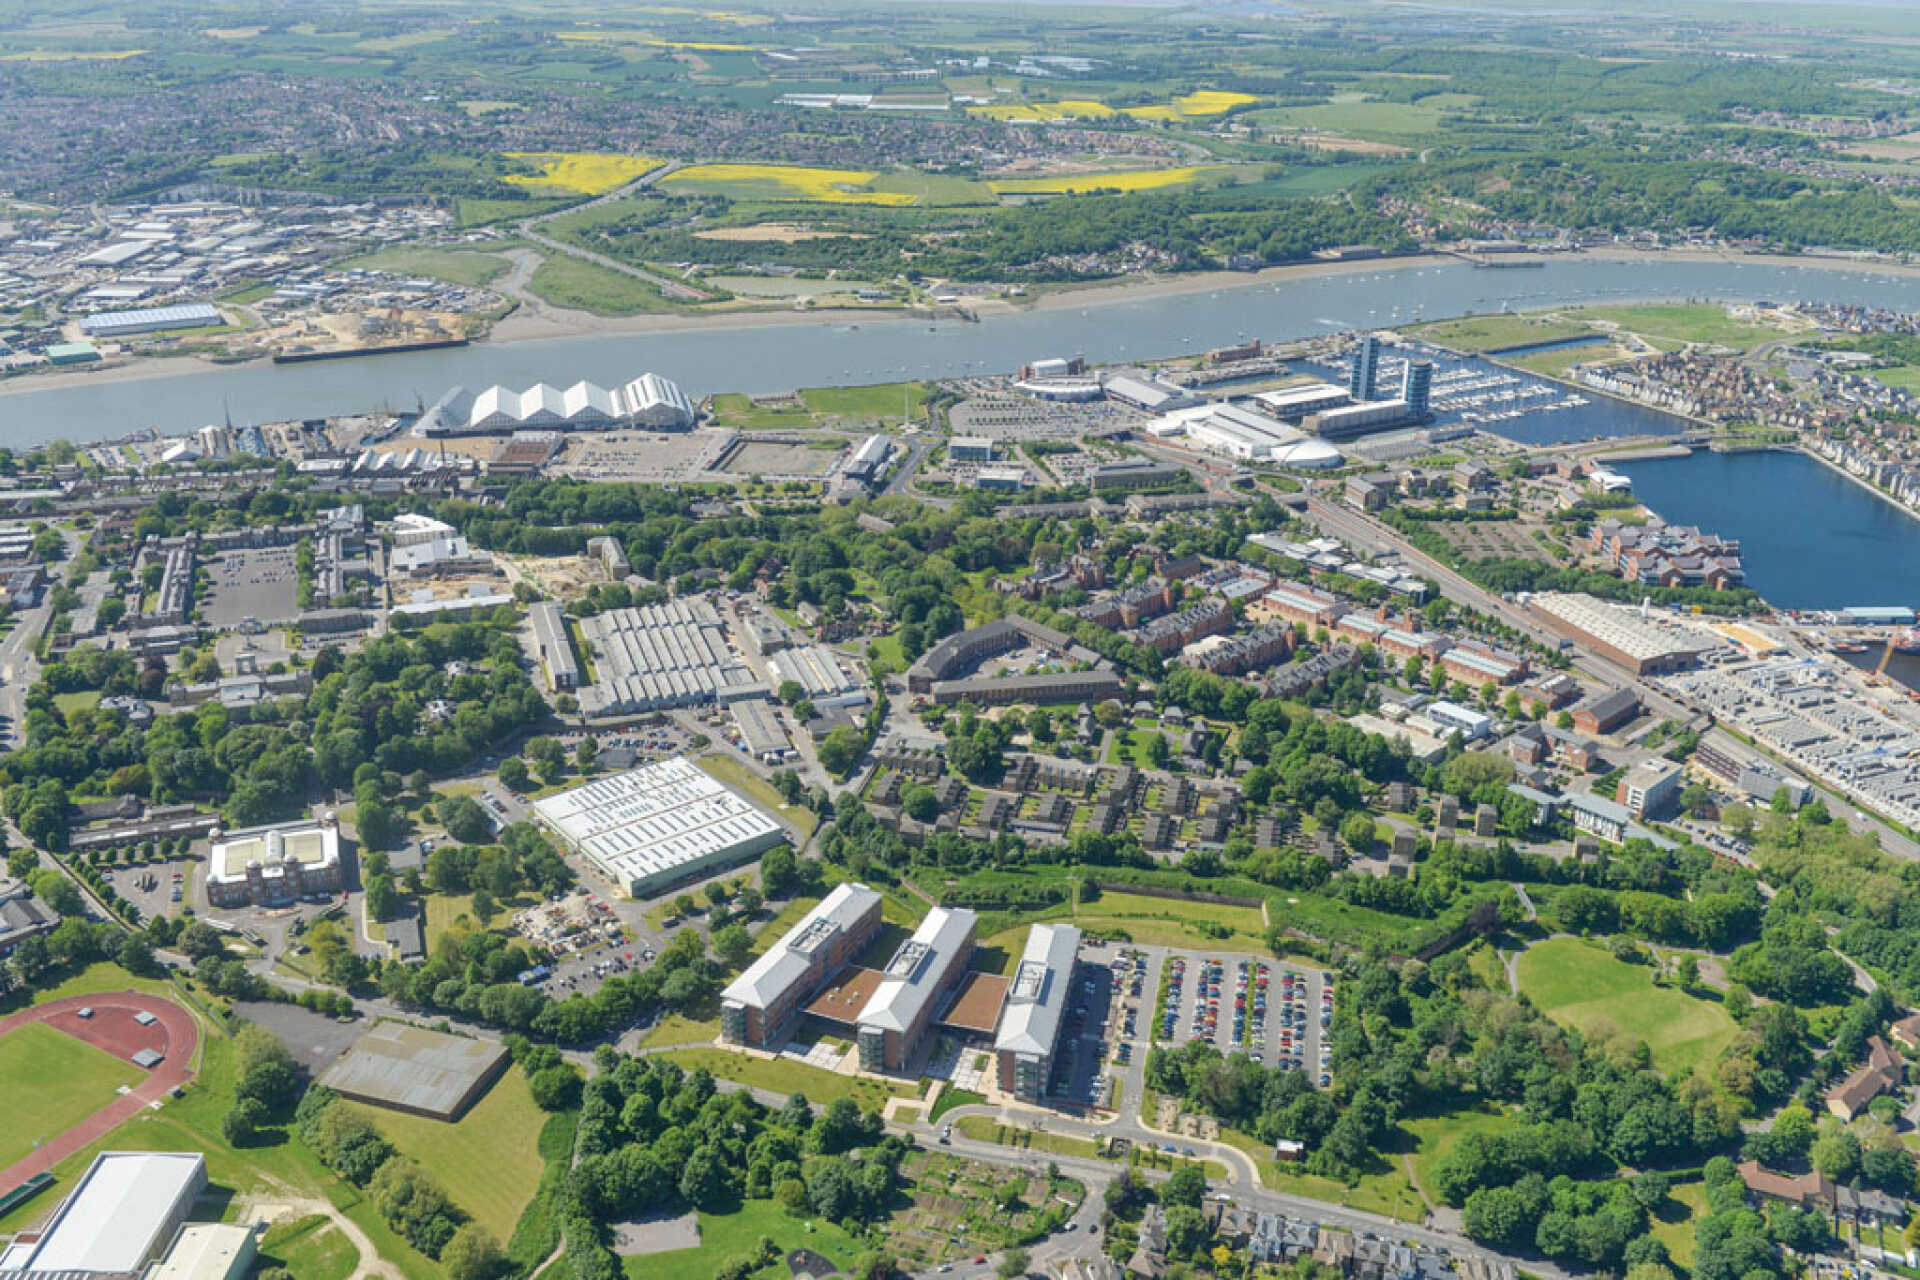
x=815 y=973
x=649 y=401
x=662 y=656
x=658 y=826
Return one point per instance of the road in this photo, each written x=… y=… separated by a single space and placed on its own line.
x=676 y=289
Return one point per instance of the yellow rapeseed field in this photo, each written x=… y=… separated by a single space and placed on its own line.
x=71 y=55
x=590 y=173
x=788 y=182
x=1065 y=109
x=1202 y=102
x=1081 y=183
x=635 y=37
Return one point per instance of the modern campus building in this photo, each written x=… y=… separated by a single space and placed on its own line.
x=893 y=1024
x=761 y=1007
x=262 y=866
x=119 y=1217
x=658 y=826
x=649 y=401
x=1029 y=1033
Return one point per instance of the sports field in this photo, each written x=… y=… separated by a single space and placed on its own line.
x=1579 y=984
x=489 y=1161
x=52 y=1082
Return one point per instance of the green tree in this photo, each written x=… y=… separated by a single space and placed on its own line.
x=732 y=944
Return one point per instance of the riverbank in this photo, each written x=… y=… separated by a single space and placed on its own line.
x=552 y=323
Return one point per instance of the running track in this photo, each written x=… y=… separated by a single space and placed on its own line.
x=112 y=1030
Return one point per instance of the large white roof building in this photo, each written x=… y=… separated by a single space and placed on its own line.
x=659 y=825
x=118 y=1218
x=647 y=401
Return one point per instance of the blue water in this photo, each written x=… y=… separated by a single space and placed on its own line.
x=834 y=353
x=1811 y=538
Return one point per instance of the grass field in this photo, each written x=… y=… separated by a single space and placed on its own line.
x=1434 y=1135
x=311 y=1248
x=459 y=267
x=1673 y=1223
x=1672 y=325
x=53 y=1082
x=1489 y=333
x=1355 y=114
x=1579 y=984
x=475 y=212
x=778 y=182
x=567 y=281
x=737 y=773
x=489 y=1161
x=724 y=1237
x=589 y=173
x=1127 y=180
x=1387 y=1191
x=783 y=1075
x=881 y=400
x=1164 y=922
x=986 y=1129
x=1904 y=376
x=78 y=700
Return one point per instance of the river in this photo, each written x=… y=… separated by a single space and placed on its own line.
x=775 y=358
x=1811 y=537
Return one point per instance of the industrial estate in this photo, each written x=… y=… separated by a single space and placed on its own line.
x=879 y=641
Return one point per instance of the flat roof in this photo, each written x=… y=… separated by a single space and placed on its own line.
x=311 y=844
x=977 y=1006
x=913 y=975
x=842 y=999
x=1618 y=628
x=414 y=1069
x=204 y=1249
x=1031 y=1021
x=786 y=961
x=116 y=1213
x=649 y=821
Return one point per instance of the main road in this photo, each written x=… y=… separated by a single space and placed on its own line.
x=676 y=289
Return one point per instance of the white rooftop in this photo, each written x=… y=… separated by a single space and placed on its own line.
x=1030 y=1022
x=650 y=820
x=786 y=962
x=913 y=975
x=121 y=1207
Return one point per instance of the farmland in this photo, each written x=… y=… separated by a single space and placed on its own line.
x=1080 y=184
x=587 y=173
x=776 y=183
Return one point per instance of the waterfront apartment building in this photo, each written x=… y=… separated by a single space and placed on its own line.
x=761 y=1006
x=893 y=1026
x=1029 y=1032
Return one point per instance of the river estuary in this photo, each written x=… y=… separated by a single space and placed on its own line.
x=769 y=359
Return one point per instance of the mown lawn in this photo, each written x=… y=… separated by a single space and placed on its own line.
x=52 y=1082
x=1579 y=984
x=724 y=1237
x=311 y=1248
x=1487 y=333
x=488 y=1160
x=783 y=1075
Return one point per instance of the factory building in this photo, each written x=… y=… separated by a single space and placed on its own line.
x=658 y=826
x=555 y=646
x=272 y=865
x=663 y=656
x=118 y=1219
x=817 y=670
x=761 y=1007
x=1641 y=645
x=761 y=734
x=649 y=401
x=123 y=324
x=1029 y=1032
x=894 y=1023
x=869 y=461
